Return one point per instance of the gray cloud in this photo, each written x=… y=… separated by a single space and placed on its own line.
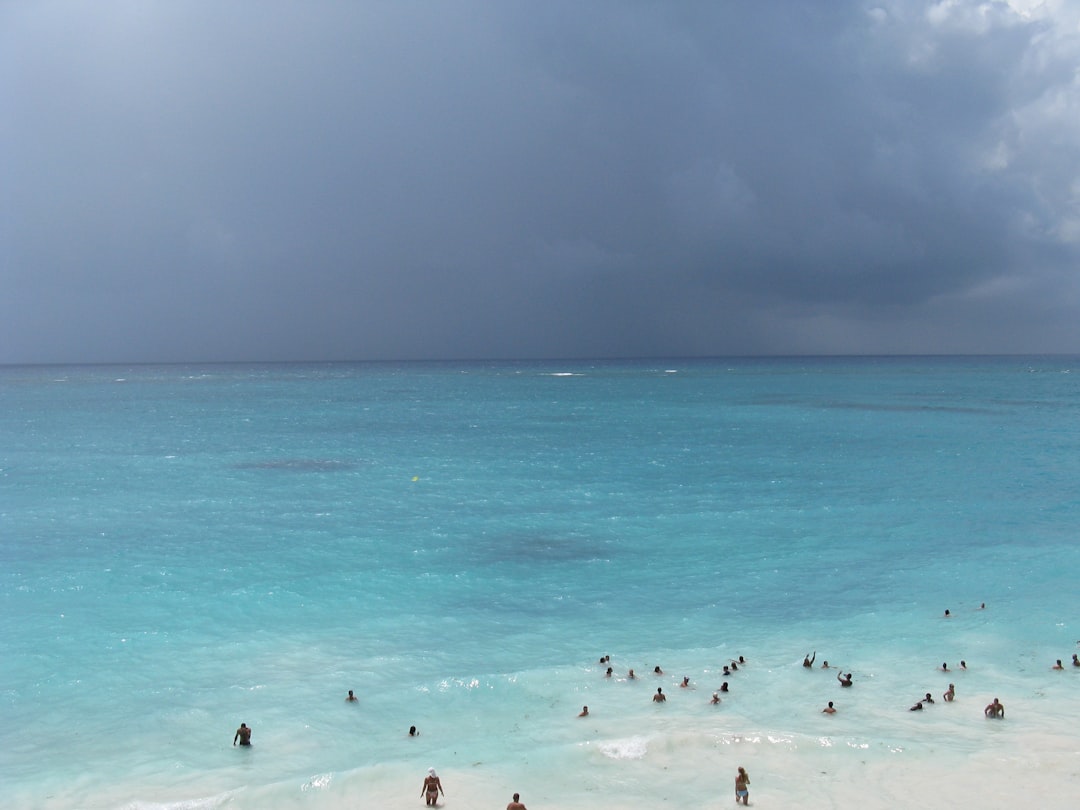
x=197 y=181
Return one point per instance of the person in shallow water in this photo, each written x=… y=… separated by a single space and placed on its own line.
x=659 y=697
x=243 y=734
x=845 y=680
x=950 y=695
x=742 y=786
x=516 y=803
x=431 y=788
x=351 y=697
x=808 y=660
x=995 y=710
x=413 y=732
x=830 y=709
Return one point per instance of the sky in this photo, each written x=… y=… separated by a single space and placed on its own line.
x=214 y=180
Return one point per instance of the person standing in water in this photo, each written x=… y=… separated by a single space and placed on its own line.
x=742 y=786
x=432 y=787
x=243 y=734
x=516 y=803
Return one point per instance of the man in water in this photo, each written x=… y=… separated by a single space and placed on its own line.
x=243 y=734
x=516 y=803
x=413 y=732
x=948 y=696
x=659 y=697
x=584 y=711
x=715 y=698
x=845 y=680
x=351 y=698
x=431 y=788
x=995 y=710
x=808 y=660
x=830 y=709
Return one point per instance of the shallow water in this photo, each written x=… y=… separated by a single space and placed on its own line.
x=184 y=548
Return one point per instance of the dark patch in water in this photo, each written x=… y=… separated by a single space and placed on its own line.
x=298 y=465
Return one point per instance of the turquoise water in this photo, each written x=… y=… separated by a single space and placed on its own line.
x=187 y=547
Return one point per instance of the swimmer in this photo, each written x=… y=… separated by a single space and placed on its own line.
x=630 y=675
x=351 y=698
x=982 y=606
x=723 y=686
x=830 y=709
x=742 y=786
x=944 y=667
x=928 y=699
x=431 y=788
x=947 y=614
x=824 y=664
x=808 y=660
x=659 y=697
x=845 y=680
x=584 y=711
x=608 y=673
x=685 y=682
x=1076 y=661
x=734 y=666
x=657 y=671
x=604 y=659
x=727 y=670
x=1057 y=665
x=963 y=665
x=243 y=734
x=515 y=804
x=715 y=698
x=413 y=732
x=950 y=694
x=742 y=660
x=917 y=707
x=995 y=710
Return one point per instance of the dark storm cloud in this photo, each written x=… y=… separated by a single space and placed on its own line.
x=396 y=180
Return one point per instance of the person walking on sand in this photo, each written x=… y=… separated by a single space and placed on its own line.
x=742 y=786
x=431 y=788
x=243 y=734
x=516 y=803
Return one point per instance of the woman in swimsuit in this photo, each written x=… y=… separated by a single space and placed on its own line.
x=742 y=786
x=432 y=788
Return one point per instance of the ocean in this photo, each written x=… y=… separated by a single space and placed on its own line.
x=185 y=548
